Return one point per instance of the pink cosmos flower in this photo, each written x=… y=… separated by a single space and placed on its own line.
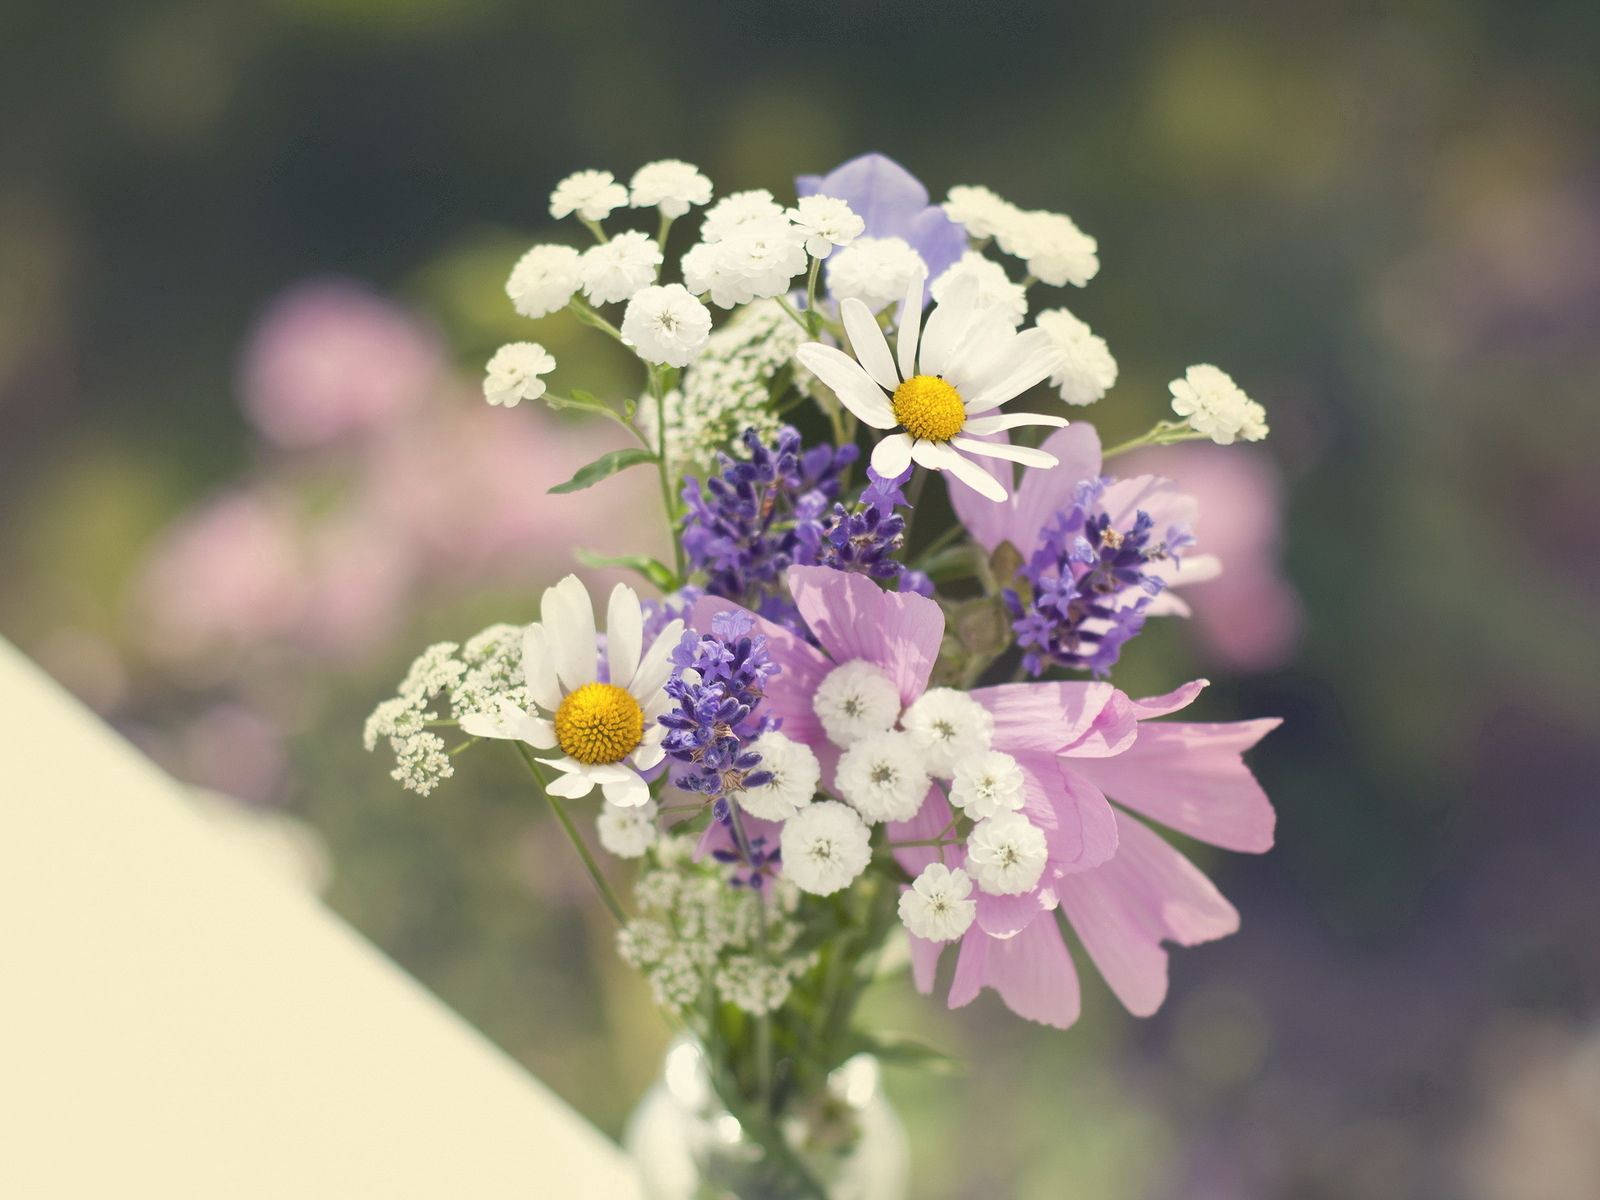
x=1079 y=745
x=1024 y=517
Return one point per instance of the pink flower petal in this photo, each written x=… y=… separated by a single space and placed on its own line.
x=924 y=962
x=1044 y=716
x=1192 y=778
x=1080 y=828
x=1032 y=972
x=854 y=618
x=1007 y=916
x=1178 y=698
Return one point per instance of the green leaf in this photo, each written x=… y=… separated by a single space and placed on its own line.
x=657 y=573
x=604 y=467
x=898 y=1050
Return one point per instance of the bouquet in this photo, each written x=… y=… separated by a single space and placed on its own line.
x=834 y=727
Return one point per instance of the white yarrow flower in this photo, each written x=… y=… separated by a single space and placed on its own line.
x=607 y=733
x=756 y=260
x=1056 y=250
x=543 y=280
x=987 y=784
x=856 y=699
x=875 y=271
x=616 y=269
x=666 y=324
x=627 y=832
x=671 y=185
x=938 y=907
x=948 y=727
x=795 y=776
x=937 y=394
x=735 y=209
x=995 y=288
x=824 y=847
x=883 y=776
x=590 y=194
x=1006 y=853
x=826 y=222
x=513 y=374
x=1082 y=369
x=1216 y=406
x=978 y=209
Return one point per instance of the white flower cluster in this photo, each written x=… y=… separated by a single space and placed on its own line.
x=473 y=678
x=749 y=250
x=694 y=931
x=1055 y=250
x=1216 y=406
x=876 y=271
x=726 y=389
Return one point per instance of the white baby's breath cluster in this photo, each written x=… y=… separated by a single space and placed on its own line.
x=1216 y=406
x=695 y=932
x=445 y=683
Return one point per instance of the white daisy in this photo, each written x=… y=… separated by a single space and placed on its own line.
x=951 y=373
x=827 y=222
x=616 y=269
x=1217 y=406
x=875 y=271
x=590 y=194
x=607 y=732
x=1006 y=853
x=512 y=375
x=666 y=324
x=543 y=280
x=1083 y=368
x=671 y=185
x=937 y=907
x=795 y=774
x=824 y=847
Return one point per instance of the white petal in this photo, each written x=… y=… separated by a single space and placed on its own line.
x=1026 y=455
x=511 y=722
x=569 y=626
x=982 y=426
x=574 y=785
x=647 y=755
x=975 y=477
x=631 y=792
x=892 y=455
x=624 y=634
x=655 y=666
x=947 y=324
x=1033 y=358
x=539 y=668
x=909 y=324
x=866 y=339
x=849 y=381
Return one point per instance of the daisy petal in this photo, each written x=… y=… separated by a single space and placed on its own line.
x=975 y=477
x=569 y=631
x=1000 y=422
x=539 y=668
x=656 y=665
x=947 y=324
x=624 y=634
x=1026 y=455
x=849 y=381
x=866 y=339
x=892 y=455
x=627 y=793
x=647 y=755
x=1033 y=357
x=572 y=786
x=908 y=325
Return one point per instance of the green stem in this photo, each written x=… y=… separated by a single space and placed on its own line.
x=661 y=233
x=664 y=471
x=594 y=228
x=1163 y=433
x=585 y=313
x=589 y=863
x=813 y=317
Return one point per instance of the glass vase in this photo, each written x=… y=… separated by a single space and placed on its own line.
x=846 y=1144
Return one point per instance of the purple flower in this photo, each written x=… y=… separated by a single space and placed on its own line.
x=865 y=537
x=894 y=203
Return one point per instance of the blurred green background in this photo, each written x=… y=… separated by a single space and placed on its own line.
x=1384 y=220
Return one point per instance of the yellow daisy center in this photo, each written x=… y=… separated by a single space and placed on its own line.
x=599 y=723
x=929 y=408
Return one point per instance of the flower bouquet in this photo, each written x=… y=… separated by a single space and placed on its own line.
x=836 y=734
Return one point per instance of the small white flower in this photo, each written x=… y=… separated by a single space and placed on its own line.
x=995 y=288
x=987 y=784
x=590 y=194
x=1055 y=249
x=607 y=733
x=884 y=776
x=755 y=261
x=671 y=185
x=948 y=726
x=824 y=847
x=1083 y=368
x=978 y=209
x=1217 y=406
x=795 y=776
x=627 y=832
x=875 y=271
x=856 y=699
x=616 y=269
x=513 y=373
x=827 y=222
x=937 y=907
x=1006 y=853
x=666 y=324
x=727 y=214
x=543 y=280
